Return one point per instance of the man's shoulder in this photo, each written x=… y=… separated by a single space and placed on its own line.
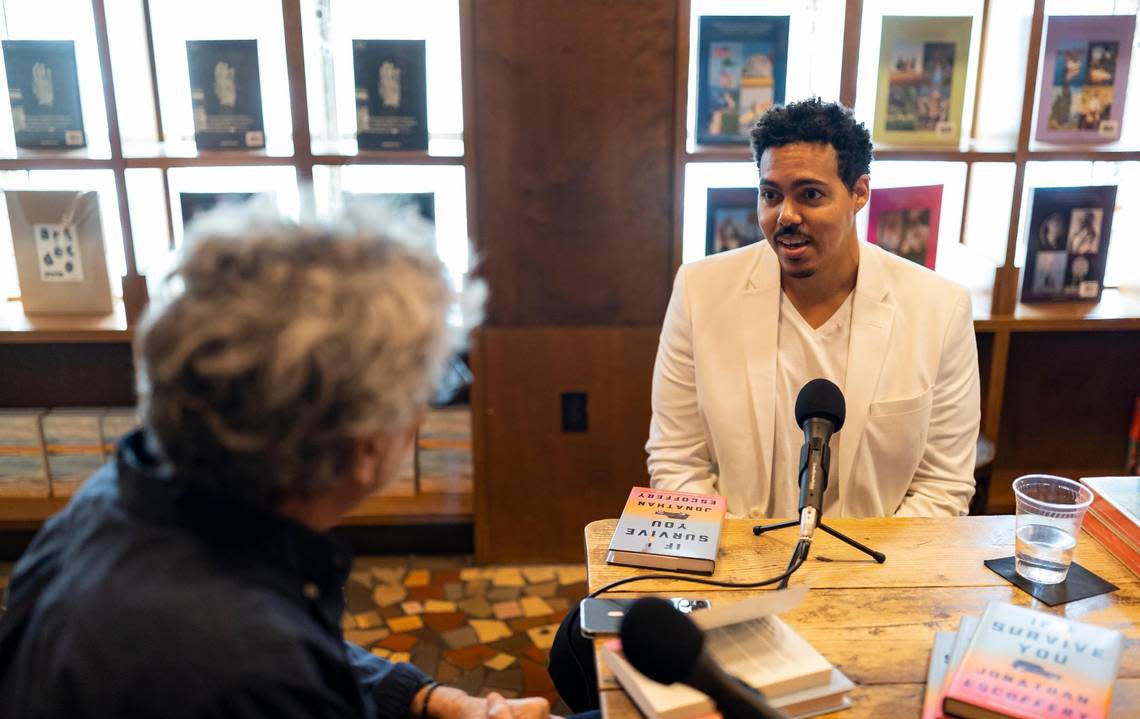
x=725 y=269
x=919 y=288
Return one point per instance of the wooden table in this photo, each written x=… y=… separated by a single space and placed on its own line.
x=877 y=622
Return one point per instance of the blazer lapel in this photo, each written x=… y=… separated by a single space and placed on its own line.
x=871 y=320
x=760 y=310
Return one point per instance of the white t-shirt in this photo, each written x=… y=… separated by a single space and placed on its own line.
x=804 y=354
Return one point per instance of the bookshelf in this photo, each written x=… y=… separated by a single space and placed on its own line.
x=98 y=347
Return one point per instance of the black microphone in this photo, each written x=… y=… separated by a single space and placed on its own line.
x=820 y=411
x=666 y=646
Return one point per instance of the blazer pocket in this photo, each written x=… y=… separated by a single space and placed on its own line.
x=907 y=405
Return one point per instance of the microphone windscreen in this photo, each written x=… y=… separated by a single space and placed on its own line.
x=821 y=399
x=659 y=641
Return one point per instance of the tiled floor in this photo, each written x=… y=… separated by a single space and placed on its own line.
x=476 y=628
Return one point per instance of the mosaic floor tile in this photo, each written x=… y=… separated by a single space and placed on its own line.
x=459 y=638
x=381 y=652
x=347 y=621
x=420 y=578
x=447 y=672
x=471 y=681
x=445 y=622
x=490 y=630
x=426 y=655
x=507 y=578
x=362 y=576
x=477 y=587
x=468 y=574
x=388 y=575
x=396 y=657
x=358 y=596
x=499 y=662
x=535 y=678
x=506 y=610
x=475 y=607
x=571 y=575
x=538 y=575
x=561 y=604
x=511 y=680
x=405 y=624
x=469 y=657
x=545 y=589
x=453 y=591
x=385 y=595
x=366 y=637
x=367 y=620
x=535 y=607
x=535 y=654
x=523 y=624
x=542 y=637
x=422 y=594
x=399 y=642
x=438 y=606
x=502 y=594
x=412 y=607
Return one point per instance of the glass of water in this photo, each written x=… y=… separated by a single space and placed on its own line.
x=1049 y=514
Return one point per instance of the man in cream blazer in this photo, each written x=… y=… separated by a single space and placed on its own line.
x=906 y=359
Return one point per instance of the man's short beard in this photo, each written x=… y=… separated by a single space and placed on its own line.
x=802 y=274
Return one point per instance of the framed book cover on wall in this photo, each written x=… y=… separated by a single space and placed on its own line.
x=225 y=93
x=732 y=220
x=922 y=80
x=1084 y=76
x=391 y=94
x=43 y=89
x=904 y=221
x=1067 y=245
x=422 y=202
x=194 y=204
x=61 y=261
x=743 y=67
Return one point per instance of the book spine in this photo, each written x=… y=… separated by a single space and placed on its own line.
x=1113 y=517
x=1113 y=543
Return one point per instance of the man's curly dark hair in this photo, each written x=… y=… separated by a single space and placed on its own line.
x=814 y=120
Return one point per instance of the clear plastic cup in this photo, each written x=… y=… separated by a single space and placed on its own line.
x=1049 y=514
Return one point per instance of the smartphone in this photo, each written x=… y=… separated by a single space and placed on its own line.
x=603 y=616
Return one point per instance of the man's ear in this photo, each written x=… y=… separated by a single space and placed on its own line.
x=367 y=453
x=861 y=192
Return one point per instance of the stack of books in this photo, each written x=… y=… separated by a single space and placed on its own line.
x=1018 y=662
x=1113 y=518
x=753 y=644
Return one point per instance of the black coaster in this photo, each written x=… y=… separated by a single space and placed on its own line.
x=1080 y=583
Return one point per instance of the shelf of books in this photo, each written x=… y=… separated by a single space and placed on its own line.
x=123 y=126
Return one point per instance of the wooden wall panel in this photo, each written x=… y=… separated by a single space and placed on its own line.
x=540 y=486
x=85 y=374
x=574 y=125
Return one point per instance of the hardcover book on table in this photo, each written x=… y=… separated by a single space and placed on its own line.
x=756 y=646
x=904 y=222
x=1067 y=246
x=43 y=89
x=60 y=260
x=391 y=94
x=664 y=529
x=731 y=219
x=1026 y=664
x=1084 y=76
x=936 y=674
x=922 y=80
x=1113 y=518
x=225 y=93
x=743 y=71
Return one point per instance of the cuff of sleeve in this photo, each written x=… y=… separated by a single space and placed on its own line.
x=393 y=694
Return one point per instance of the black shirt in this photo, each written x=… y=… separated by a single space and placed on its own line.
x=148 y=597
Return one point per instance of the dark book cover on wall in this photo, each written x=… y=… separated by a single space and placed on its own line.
x=1067 y=246
x=731 y=219
x=225 y=93
x=743 y=67
x=43 y=88
x=904 y=222
x=391 y=94
x=423 y=202
x=1084 y=75
x=194 y=204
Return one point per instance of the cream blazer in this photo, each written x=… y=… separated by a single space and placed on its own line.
x=908 y=444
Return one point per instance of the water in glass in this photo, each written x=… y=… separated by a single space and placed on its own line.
x=1043 y=553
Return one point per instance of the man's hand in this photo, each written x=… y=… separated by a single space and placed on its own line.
x=450 y=703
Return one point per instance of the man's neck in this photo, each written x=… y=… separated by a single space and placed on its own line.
x=817 y=298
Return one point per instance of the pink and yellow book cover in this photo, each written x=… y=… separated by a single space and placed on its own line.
x=1025 y=663
x=672 y=523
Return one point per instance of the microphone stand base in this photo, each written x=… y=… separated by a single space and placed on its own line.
x=877 y=556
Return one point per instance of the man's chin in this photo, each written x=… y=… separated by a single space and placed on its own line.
x=801 y=274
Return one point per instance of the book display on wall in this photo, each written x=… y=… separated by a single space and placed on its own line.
x=391 y=94
x=60 y=259
x=743 y=67
x=731 y=219
x=1067 y=244
x=225 y=93
x=43 y=89
x=1020 y=661
x=194 y=204
x=904 y=221
x=1084 y=76
x=922 y=80
x=422 y=202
